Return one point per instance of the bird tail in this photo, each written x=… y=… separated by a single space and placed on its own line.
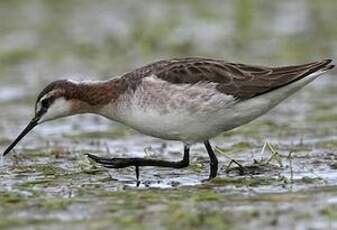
x=326 y=65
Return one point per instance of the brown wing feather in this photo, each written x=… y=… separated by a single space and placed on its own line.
x=240 y=80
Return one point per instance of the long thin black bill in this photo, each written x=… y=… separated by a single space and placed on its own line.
x=29 y=127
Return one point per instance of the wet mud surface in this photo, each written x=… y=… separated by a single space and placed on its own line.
x=49 y=183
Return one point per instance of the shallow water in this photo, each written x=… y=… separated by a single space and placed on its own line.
x=48 y=182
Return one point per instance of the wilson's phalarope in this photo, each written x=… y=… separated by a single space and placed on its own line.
x=187 y=99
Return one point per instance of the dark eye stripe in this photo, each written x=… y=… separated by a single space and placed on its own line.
x=45 y=103
x=42 y=111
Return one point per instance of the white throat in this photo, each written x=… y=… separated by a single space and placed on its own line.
x=60 y=108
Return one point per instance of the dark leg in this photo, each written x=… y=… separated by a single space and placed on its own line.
x=137 y=176
x=213 y=161
x=127 y=162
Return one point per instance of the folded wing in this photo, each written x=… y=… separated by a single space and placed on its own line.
x=239 y=80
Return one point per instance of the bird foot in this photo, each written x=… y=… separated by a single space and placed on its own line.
x=117 y=163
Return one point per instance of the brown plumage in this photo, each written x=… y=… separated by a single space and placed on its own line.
x=94 y=94
x=240 y=80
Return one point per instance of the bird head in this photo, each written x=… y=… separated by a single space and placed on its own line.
x=65 y=98
x=55 y=101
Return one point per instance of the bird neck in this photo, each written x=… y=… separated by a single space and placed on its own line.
x=92 y=96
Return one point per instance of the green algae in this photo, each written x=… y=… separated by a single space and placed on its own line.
x=4 y=141
x=205 y=195
x=255 y=128
x=246 y=181
x=333 y=165
x=32 y=184
x=130 y=221
x=15 y=223
x=11 y=198
x=41 y=169
x=56 y=153
x=330 y=211
x=33 y=153
x=332 y=144
x=243 y=145
x=116 y=133
x=326 y=117
x=310 y=180
x=196 y=167
x=15 y=56
x=54 y=203
x=279 y=197
x=49 y=169
x=180 y=217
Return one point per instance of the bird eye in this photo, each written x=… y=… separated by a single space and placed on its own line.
x=44 y=103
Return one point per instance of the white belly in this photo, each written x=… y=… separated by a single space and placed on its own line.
x=176 y=125
x=176 y=112
x=190 y=113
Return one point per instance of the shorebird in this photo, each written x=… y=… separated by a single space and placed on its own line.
x=186 y=99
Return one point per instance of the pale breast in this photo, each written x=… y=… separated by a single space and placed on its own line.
x=176 y=112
